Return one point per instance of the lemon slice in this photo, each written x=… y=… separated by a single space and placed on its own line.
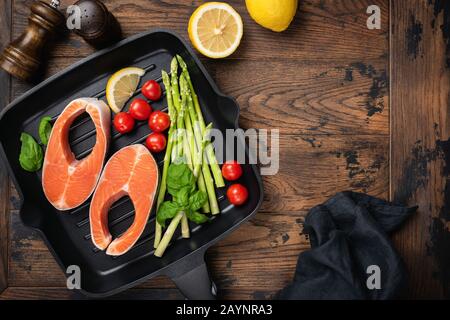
x=121 y=86
x=215 y=29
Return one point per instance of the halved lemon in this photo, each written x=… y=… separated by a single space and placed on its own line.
x=121 y=86
x=215 y=29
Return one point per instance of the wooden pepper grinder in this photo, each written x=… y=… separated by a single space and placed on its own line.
x=99 y=27
x=22 y=57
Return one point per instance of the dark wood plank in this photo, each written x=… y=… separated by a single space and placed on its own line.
x=57 y=293
x=420 y=140
x=321 y=165
x=340 y=25
x=49 y=293
x=5 y=86
x=309 y=97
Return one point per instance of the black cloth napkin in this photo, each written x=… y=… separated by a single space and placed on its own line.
x=349 y=233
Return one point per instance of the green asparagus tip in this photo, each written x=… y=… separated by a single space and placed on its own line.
x=174 y=66
x=165 y=76
x=183 y=84
x=181 y=62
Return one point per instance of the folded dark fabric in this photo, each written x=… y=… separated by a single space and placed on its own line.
x=349 y=247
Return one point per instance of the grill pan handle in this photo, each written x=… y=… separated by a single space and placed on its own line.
x=192 y=278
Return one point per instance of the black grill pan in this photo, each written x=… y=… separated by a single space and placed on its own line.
x=67 y=233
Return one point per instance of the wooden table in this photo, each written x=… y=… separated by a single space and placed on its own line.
x=357 y=109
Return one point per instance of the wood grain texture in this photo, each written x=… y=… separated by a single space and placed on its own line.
x=57 y=293
x=323 y=83
x=299 y=97
x=5 y=86
x=339 y=24
x=420 y=140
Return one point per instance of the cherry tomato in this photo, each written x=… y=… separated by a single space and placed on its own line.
x=156 y=142
x=231 y=170
x=123 y=122
x=140 y=109
x=237 y=194
x=151 y=90
x=159 y=121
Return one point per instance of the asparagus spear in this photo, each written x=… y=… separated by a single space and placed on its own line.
x=168 y=234
x=195 y=160
x=198 y=133
x=209 y=148
x=205 y=141
x=180 y=129
x=187 y=152
x=186 y=74
x=177 y=103
x=163 y=186
x=199 y=140
x=174 y=84
x=209 y=182
x=201 y=180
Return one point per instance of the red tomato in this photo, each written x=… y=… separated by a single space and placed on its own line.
x=156 y=142
x=237 y=194
x=159 y=121
x=140 y=109
x=231 y=170
x=123 y=122
x=151 y=90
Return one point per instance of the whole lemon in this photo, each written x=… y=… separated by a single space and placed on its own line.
x=275 y=15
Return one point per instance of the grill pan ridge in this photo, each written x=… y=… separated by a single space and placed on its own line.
x=67 y=233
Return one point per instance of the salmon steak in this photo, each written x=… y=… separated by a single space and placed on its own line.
x=131 y=171
x=68 y=182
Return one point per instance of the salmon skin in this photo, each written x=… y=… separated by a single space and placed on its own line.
x=68 y=182
x=130 y=171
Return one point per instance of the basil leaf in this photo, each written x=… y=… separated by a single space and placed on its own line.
x=196 y=217
x=31 y=155
x=167 y=210
x=197 y=200
x=182 y=197
x=179 y=176
x=45 y=128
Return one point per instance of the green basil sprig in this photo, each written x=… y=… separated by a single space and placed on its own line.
x=45 y=128
x=182 y=187
x=31 y=155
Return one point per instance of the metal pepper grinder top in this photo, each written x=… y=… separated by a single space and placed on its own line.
x=23 y=56
x=98 y=26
